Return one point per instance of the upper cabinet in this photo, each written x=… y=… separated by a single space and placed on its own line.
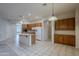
x=65 y=24
x=30 y=26
x=37 y=25
x=26 y=27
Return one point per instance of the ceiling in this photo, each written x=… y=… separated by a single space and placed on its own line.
x=61 y=8
x=12 y=11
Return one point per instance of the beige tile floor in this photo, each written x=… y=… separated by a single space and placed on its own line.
x=44 y=48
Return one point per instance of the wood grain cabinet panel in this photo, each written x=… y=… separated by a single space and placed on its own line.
x=33 y=39
x=58 y=39
x=33 y=25
x=65 y=39
x=57 y=25
x=24 y=26
x=37 y=25
x=65 y=24
x=29 y=26
x=69 y=40
x=71 y=24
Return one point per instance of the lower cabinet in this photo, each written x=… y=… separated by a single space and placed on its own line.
x=65 y=39
x=25 y=40
x=33 y=38
x=58 y=39
x=70 y=40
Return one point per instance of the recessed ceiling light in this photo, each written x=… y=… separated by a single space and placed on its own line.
x=29 y=14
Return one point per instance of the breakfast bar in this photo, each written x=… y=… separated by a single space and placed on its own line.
x=27 y=38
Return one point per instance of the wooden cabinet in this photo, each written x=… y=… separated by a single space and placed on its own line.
x=69 y=39
x=58 y=39
x=24 y=27
x=37 y=25
x=29 y=26
x=57 y=23
x=71 y=24
x=33 y=25
x=65 y=24
x=65 y=39
x=33 y=39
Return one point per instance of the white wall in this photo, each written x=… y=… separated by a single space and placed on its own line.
x=77 y=27
x=13 y=34
x=66 y=15
x=7 y=31
x=4 y=29
x=12 y=30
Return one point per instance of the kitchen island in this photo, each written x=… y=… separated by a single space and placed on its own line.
x=28 y=39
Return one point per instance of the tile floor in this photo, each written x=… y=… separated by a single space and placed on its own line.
x=5 y=50
x=44 y=48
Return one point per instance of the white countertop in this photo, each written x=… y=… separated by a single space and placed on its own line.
x=26 y=33
x=65 y=32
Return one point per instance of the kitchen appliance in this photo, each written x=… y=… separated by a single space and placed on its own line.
x=38 y=32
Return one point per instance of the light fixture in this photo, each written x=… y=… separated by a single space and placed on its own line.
x=29 y=14
x=53 y=18
x=44 y=4
x=21 y=22
x=21 y=19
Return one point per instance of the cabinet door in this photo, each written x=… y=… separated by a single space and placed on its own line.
x=29 y=27
x=71 y=24
x=33 y=39
x=40 y=24
x=57 y=25
x=24 y=26
x=66 y=39
x=72 y=40
x=33 y=25
x=65 y=24
x=58 y=39
x=61 y=25
x=69 y=40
